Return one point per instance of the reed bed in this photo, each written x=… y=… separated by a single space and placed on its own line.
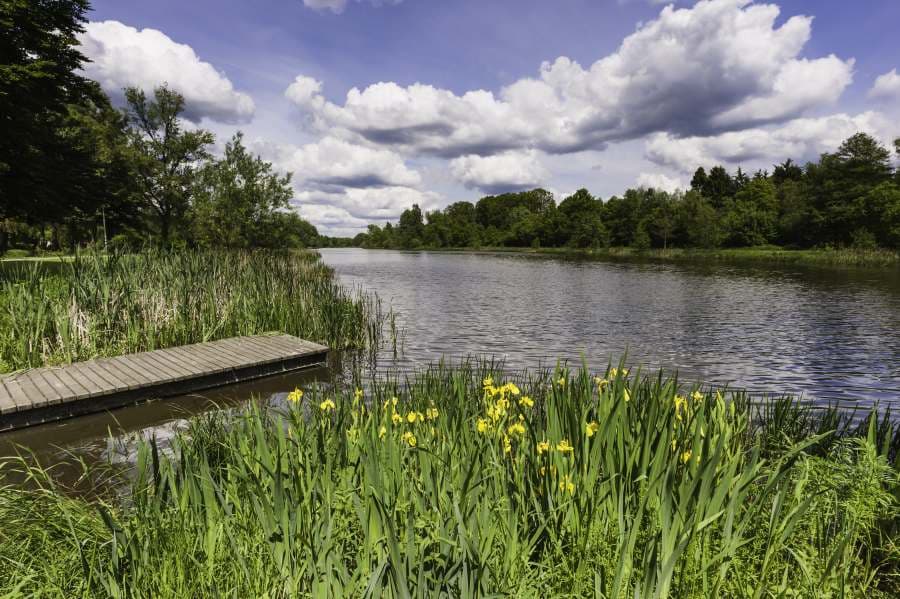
x=458 y=482
x=98 y=305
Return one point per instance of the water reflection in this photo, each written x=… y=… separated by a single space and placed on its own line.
x=826 y=334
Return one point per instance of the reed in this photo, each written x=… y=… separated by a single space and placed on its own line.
x=96 y=305
x=455 y=481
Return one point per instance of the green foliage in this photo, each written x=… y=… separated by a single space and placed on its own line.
x=238 y=200
x=457 y=483
x=74 y=171
x=847 y=199
x=38 y=81
x=165 y=155
x=109 y=305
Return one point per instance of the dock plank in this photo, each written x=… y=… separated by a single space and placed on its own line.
x=264 y=351
x=243 y=351
x=51 y=393
x=7 y=401
x=59 y=388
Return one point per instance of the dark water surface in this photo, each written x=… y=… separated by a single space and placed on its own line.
x=826 y=334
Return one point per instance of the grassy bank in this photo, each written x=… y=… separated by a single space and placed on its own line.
x=761 y=255
x=94 y=305
x=457 y=483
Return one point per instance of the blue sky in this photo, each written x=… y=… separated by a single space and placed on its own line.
x=451 y=100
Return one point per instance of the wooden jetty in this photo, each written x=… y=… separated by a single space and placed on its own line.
x=52 y=393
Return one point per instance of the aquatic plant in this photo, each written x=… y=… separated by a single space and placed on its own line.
x=460 y=481
x=98 y=305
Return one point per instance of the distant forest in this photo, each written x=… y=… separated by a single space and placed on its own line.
x=75 y=171
x=849 y=198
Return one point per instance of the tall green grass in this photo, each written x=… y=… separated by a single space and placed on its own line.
x=622 y=485
x=107 y=305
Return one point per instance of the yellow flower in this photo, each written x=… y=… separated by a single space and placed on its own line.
x=488 y=382
x=295 y=395
x=567 y=485
x=696 y=396
x=396 y=418
x=591 y=428
x=327 y=405
x=526 y=401
x=564 y=446
x=561 y=381
x=685 y=456
x=411 y=418
x=543 y=446
x=382 y=431
x=600 y=382
x=627 y=395
x=511 y=387
x=614 y=372
x=409 y=438
x=680 y=402
x=482 y=425
x=516 y=429
x=357 y=395
x=507 y=446
x=674 y=444
x=432 y=413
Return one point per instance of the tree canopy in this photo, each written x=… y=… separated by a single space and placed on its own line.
x=76 y=170
x=849 y=198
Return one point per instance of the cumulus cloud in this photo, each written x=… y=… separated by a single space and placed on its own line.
x=123 y=56
x=347 y=211
x=801 y=139
x=335 y=163
x=659 y=181
x=510 y=171
x=721 y=65
x=886 y=87
x=338 y=6
x=342 y=186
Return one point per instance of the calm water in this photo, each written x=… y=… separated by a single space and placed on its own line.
x=821 y=333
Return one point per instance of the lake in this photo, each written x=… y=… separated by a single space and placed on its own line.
x=826 y=334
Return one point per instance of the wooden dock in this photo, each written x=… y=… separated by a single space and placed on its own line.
x=53 y=393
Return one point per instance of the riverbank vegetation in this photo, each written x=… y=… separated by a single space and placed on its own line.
x=462 y=482
x=851 y=257
x=97 y=305
x=847 y=199
x=75 y=171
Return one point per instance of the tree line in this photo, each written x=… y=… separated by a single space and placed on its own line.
x=849 y=198
x=74 y=170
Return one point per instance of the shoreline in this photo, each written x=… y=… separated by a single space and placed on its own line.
x=880 y=258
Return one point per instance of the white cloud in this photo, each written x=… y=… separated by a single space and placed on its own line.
x=510 y=171
x=801 y=139
x=338 y=6
x=659 y=181
x=347 y=211
x=886 y=87
x=341 y=186
x=123 y=56
x=720 y=65
x=335 y=163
